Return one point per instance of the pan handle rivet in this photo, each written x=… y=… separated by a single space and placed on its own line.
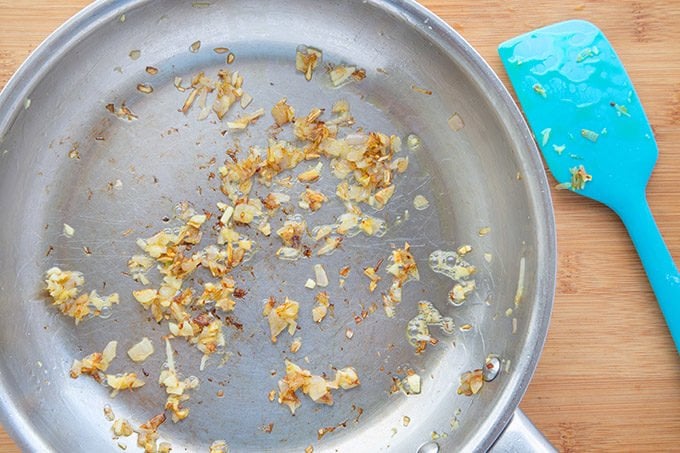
x=491 y=368
x=430 y=447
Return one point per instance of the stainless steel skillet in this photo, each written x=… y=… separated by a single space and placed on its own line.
x=486 y=174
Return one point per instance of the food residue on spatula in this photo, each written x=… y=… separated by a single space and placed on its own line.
x=579 y=178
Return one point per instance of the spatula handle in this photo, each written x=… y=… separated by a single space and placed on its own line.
x=656 y=259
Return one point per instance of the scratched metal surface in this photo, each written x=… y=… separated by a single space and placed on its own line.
x=470 y=178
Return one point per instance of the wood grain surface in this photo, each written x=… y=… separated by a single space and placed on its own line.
x=609 y=377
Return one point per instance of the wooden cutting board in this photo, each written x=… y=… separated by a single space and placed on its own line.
x=609 y=378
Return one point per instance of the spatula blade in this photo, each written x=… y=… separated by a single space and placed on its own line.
x=582 y=108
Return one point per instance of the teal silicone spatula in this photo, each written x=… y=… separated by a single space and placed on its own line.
x=594 y=135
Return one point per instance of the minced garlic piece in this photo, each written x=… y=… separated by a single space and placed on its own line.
x=246 y=99
x=464 y=250
x=307 y=59
x=321 y=307
x=69 y=231
x=373 y=276
x=291 y=234
x=208 y=336
x=274 y=200
x=219 y=446
x=312 y=200
x=403 y=268
x=316 y=387
x=219 y=294
x=227 y=212
x=348 y=222
x=138 y=265
x=320 y=275
x=283 y=316
x=296 y=345
x=345 y=378
x=228 y=91
x=456 y=122
x=141 y=351
x=460 y=291
x=122 y=112
x=246 y=120
x=411 y=384
x=283 y=113
x=418 y=331
x=341 y=74
x=372 y=226
x=420 y=203
x=322 y=231
x=95 y=363
x=265 y=228
x=471 y=382
x=122 y=428
x=63 y=287
x=312 y=174
x=201 y=85
x=147 y=434
x=453 y=265
x=108 y=413
x=331 y=243
x=123 y=381
x=247 y=211
x=381 y=197
x=175 y=387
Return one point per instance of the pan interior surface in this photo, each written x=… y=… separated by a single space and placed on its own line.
x=130 y=177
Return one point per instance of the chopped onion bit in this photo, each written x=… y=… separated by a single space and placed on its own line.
x=219 y=446
x=316 y=387
x=69 y=231
x=64 y=289
x=321 y=307
x=96 y=363
x=141 y=351
x=471 y=382
x=122 y=112
x=144 y=88
x=420 y=203
x=281 y=317
x=456 y=122
x=320 y=275
x=307 y=59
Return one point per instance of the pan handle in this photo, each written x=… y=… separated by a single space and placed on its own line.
x=521 y=436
